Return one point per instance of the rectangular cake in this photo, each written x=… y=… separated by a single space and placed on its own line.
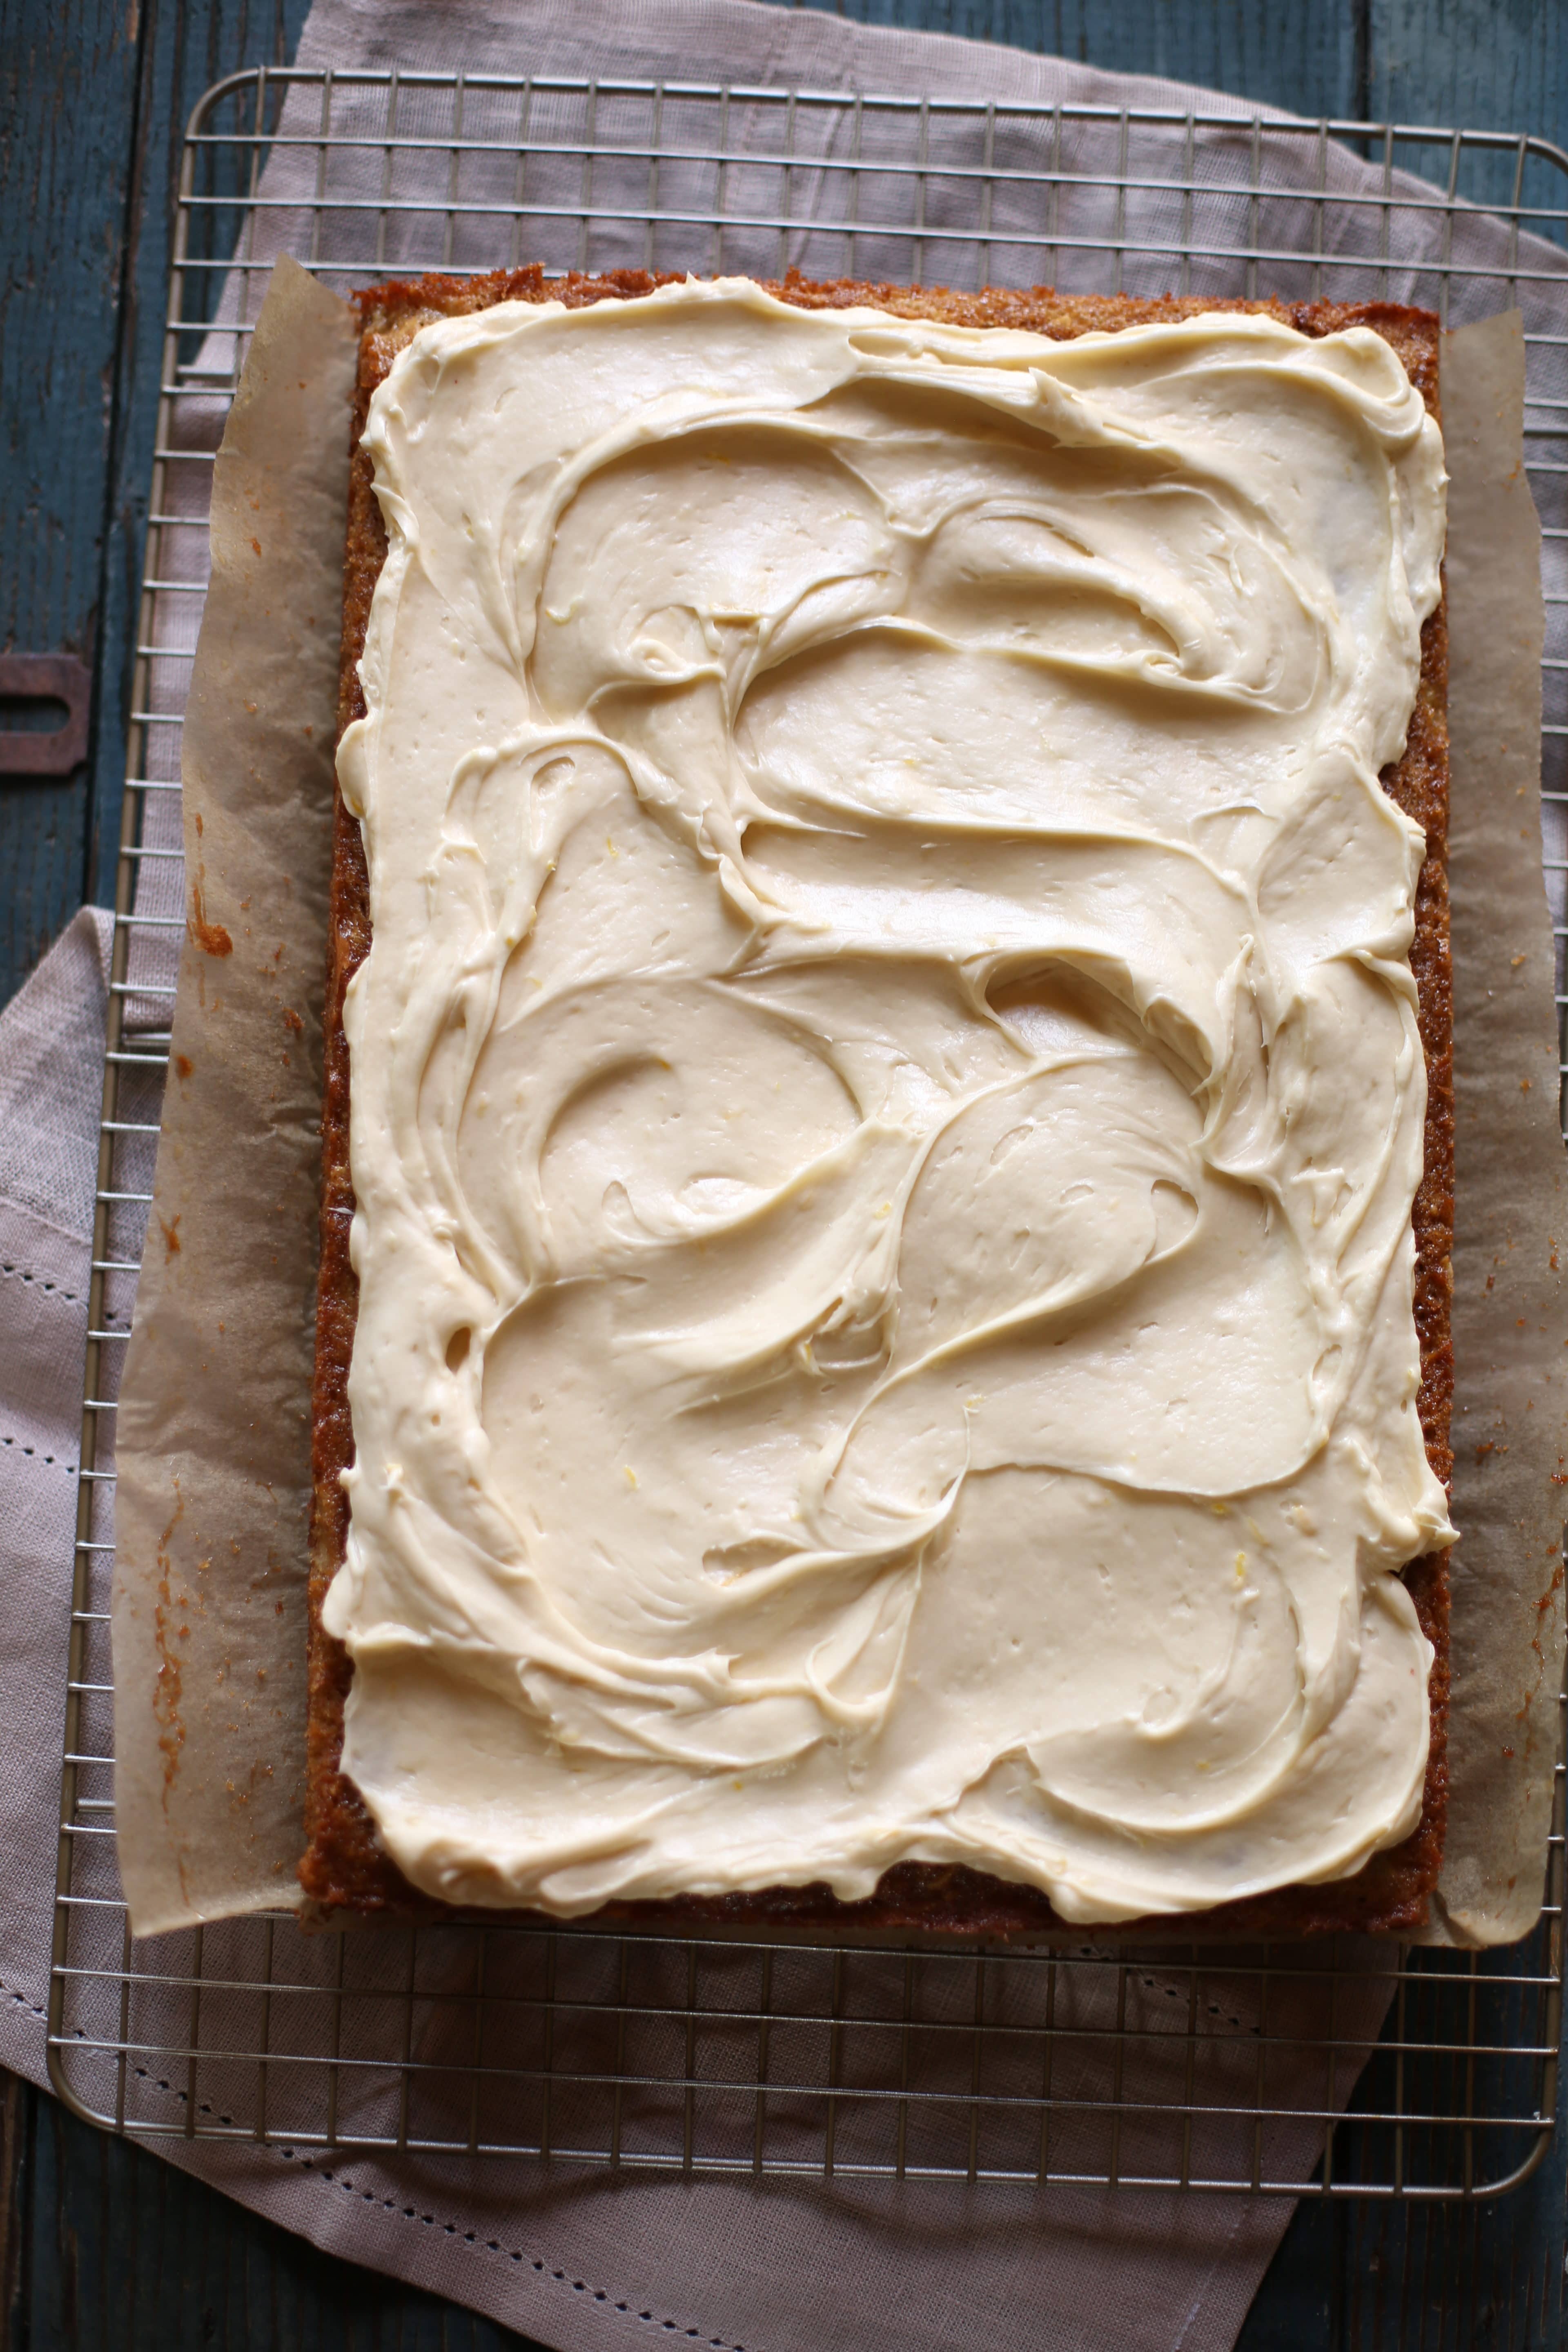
x=883 y=1336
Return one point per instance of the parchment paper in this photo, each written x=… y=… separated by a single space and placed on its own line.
x=1510 y=1330
x=209 y=1608
x=214 y=1442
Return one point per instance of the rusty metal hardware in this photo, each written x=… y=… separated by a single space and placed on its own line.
x=45 y=678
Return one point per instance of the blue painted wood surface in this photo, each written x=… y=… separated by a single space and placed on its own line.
x=103 y=2246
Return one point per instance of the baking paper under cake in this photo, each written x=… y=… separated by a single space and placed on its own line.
x=886 y=1104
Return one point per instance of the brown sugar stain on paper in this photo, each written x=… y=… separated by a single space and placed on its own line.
x=217 y=1384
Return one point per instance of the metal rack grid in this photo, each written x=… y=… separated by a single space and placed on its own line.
x=1221 y=2067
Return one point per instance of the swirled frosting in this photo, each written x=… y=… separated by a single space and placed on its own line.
x=885 y=1107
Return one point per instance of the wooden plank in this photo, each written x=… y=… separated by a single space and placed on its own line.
x=1487 y=64
x=1477 y=63
x=1301 y=54
x=69 y=75
x=15 y=2124
x=1291 y=53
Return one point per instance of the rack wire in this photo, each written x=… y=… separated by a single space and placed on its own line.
x=1219 y=2067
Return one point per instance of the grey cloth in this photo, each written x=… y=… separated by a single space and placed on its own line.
x=51 y=1080
x=580 y=2261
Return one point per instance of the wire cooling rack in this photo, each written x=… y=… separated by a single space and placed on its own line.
x=1218 y=2067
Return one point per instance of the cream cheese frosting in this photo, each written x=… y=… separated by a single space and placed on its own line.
x=886 y=1105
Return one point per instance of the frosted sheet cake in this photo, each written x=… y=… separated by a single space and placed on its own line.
x=888 y=1064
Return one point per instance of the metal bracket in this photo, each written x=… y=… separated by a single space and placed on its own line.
x=45 y=678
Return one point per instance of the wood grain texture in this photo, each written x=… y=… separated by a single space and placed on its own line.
x=109 y=2248
x=1498 y=65
x=15 y=2119
x=66 y=79
x=1302 y=54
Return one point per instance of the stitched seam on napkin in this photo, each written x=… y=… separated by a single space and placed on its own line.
x=20 y=1274
x=494 y=2246
x=68 y=1467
